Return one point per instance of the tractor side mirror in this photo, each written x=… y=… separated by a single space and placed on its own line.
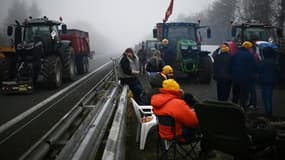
x=154 y=32
x=234 y=30
x=9 y=30
x=209 y=32
x=18 y=35
x=64 y=28
x=280 y=32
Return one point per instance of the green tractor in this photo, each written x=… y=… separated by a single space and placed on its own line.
x=183 y=51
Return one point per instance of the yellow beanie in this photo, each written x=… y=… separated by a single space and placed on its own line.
x=224 y=48
x=247 y=44
x=170 y=84
x=167 y=69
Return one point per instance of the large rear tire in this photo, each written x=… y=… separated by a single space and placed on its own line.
x=52 y=72
x=69 y=65
x=205 y=69
x=79 y=64
x=85 y=64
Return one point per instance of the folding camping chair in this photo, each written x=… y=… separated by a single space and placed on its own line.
x=223 y=125
x=180 y=149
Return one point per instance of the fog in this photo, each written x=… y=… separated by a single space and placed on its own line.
x=115 y=24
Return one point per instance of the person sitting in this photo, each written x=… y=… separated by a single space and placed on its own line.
x=166 y=73
x=169 y=102
x=156 y=82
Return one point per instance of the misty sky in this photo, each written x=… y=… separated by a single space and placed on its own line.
x=124 y=22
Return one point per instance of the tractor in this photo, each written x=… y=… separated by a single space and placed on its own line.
x=260 y=33
x=184 y=48
x=40 y=56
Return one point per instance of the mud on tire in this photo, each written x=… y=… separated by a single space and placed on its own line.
x=52 y=72
x=69 y=65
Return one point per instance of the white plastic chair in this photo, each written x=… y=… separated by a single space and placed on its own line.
x=143 y=128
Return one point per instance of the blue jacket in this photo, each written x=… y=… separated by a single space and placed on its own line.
x=243 y=67
x=268 y=69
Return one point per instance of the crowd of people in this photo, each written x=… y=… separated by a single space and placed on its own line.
x=239 y=72
x=234 y=72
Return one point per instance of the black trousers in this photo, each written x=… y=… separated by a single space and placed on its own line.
x=223 y=89
x=240 y=92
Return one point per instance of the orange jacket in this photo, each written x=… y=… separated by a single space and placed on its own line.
x=169 y=103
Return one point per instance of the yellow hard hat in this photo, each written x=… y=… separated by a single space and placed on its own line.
x=247 y=44
x=167 y=69
x=165 y=41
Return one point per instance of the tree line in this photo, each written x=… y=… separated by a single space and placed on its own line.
x=222 y=13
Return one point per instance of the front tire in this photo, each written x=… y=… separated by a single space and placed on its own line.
x=52 y=72
x=205 y=69
x=69 y=65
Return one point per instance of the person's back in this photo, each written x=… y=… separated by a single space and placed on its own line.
x=169 y=103
x=243 y=66
x=222 y=66
x=155 y=64
x=268 y=69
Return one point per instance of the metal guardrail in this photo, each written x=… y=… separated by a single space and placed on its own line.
x=80 y=133
x=115 y=146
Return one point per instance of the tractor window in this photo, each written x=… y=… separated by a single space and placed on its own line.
x=256 y=34
x=181 y=32
x=34 y=32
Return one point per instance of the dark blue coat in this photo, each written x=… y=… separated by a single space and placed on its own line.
x=243 y=67
x=222 y=66
x=268 y=69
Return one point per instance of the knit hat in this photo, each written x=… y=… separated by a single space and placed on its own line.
x=170 y=84
x=224 y=48
x=167 y=69
x=247 y=44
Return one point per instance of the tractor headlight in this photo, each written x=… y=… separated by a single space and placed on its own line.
x=194 y=47
x=184 y=47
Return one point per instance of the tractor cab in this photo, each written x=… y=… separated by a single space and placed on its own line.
x=184 y=48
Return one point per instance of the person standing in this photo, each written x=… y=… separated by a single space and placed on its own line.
x=243 y=70
x=155 y=64
x=222 y=73
x=268 y=71
x=166 y=52
x=128 y=73
x=142 y=58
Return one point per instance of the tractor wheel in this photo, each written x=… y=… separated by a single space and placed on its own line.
x=79 y=64
x=205 y=69
x=85 y=64
x=69 y=65
x=52 y=72
x=4 y=69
